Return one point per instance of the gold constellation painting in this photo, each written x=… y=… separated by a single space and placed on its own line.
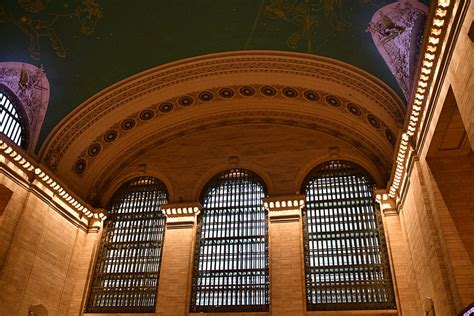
x=303 y=15
x=39 y=19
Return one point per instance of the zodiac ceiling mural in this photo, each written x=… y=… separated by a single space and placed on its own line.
x=86 y=45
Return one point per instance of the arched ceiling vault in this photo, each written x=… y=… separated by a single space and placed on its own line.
x=143 y=112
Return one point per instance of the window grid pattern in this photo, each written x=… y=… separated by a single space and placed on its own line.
x=346 y=257
x=128 y=263
x=231 y=259
x=11 y=122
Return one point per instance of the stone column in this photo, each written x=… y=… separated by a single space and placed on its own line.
x=177 y=258
x=286 y=254
x=403 y=273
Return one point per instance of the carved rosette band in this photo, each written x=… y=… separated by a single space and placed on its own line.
x=181 y=215
x=284 y=208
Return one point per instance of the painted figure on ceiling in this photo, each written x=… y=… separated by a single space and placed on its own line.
x=38 y=18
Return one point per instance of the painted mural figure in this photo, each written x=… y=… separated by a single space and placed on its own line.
x=302 y=14
x=39 y=18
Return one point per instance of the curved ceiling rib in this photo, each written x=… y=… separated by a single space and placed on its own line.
x=231 y=88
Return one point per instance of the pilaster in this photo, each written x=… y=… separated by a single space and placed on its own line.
x=403 y=274
x=286 y=254
x=177 y=256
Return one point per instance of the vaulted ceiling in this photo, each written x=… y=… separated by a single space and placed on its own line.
x=87 y=45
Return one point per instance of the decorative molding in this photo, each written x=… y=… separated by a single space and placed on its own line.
x=185 y=209
x=181 y=215
x=284 y=208
x=246 y=62
x=387 y=204
x=422 y=98
x=104 y=176
x=29 y=84
x=41 y=182
x=150 y=113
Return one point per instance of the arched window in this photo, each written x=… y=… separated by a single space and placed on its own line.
x=11 y=120
x=231 y=258
x=128 y=264
x=346 y=257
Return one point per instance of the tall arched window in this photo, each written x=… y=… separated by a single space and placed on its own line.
x=11 y=121
x=231 y=258
x=346 y=257
x=128 y=264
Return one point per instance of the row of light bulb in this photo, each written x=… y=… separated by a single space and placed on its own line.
x=7 y=151
x=419 y=101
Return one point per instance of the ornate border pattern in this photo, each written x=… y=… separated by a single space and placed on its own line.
x=301 y=65
x=119 y=129
x=382 y=161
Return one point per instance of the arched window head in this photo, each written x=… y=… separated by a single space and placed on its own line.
x=346 y=260
x=127 y=271
x=12 y=122
x=231 y=258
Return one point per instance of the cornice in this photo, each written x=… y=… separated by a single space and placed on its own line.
x=251 y=93
x=22 y=169
x=215 y=65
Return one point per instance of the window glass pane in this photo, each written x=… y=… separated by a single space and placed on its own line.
x=128 y=264
x=345 y=253
x=11 y=123
x=231 y=260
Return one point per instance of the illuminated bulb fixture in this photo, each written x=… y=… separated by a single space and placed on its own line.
x=431 y=48
x=429 y=56
x=426 y=71
x=437 y=23
x=427 y=64
x=433 y=40
x=443 y=3
x=419 y=96
x=436 y=32
x=441 y=12
x=420 y=90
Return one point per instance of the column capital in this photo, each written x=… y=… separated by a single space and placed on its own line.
x=181 y=215
x=96 y=221
x=388 y=205
x=284 y=207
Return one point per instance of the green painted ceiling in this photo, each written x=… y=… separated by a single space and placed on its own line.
x=132 y=36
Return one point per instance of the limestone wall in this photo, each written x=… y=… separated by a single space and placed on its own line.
x=40 y=252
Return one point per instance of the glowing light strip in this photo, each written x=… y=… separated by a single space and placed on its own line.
x=7 y=151
x=419 y=102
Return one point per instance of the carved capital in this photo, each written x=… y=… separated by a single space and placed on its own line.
x=181 y=215
x=284 y=207
x=95 y=224
x=388 y=205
